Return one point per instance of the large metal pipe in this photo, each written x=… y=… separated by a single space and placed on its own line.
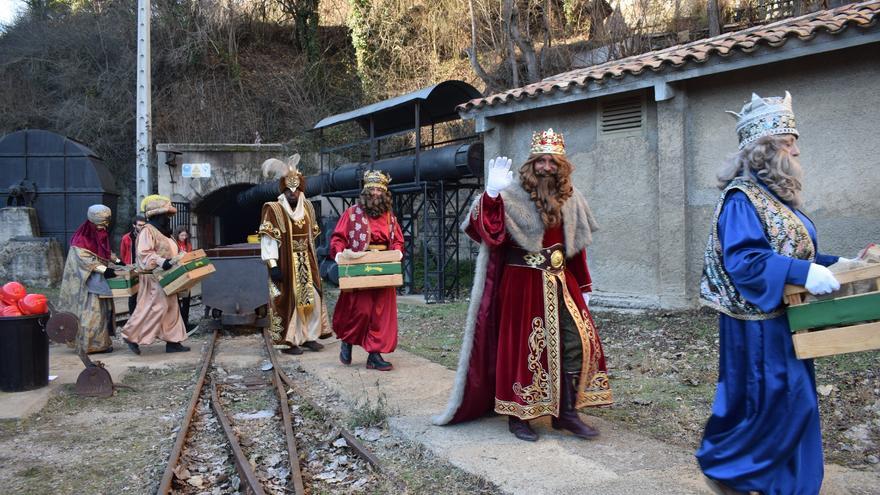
x=453 y=162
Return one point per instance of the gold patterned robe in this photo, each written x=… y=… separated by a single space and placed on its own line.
x=287 y=236
x=93 y=312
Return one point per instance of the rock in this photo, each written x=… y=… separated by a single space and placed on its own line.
x=196 y=481
x=326 y=475
x=264 y=414
x=340 y=443
x=872 y=459
x=824 y=390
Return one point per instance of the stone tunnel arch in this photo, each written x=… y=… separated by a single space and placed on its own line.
x=221 y=220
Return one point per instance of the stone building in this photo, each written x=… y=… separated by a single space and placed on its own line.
x=648 y=133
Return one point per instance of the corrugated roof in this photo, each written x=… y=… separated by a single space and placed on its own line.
x=805 y=27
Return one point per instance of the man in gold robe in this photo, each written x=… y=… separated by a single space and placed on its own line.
x=288 y=228
x=84 y=281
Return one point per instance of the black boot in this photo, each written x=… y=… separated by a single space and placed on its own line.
x=375 y=362
x=568 y=416
x=521 y=429
x=133 y=347
x=175 y=347
x=313 y=346
x=345 y=353
x=293 y=350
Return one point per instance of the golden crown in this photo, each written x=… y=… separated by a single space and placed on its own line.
x=547 y=143
x=375 y=178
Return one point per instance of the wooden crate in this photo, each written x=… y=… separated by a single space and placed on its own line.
x=372 y=270
x=124 y=284
x=186 y=276
x=836 y=325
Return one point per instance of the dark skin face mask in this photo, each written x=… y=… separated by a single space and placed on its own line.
x=162 y=224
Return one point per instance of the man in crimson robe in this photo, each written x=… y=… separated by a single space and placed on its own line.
x=367 y=317
x=530 y=346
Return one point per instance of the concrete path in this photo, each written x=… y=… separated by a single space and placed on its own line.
x=618 y=463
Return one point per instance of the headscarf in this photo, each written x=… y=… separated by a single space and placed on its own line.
x=89 y=236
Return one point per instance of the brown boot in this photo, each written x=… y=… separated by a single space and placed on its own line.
x=521 y=429
x=568 y=416
x=313 y=346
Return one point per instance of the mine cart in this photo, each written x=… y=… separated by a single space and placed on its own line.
x=237 y=293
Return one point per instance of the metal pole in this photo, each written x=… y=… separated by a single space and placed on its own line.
x=144 y=184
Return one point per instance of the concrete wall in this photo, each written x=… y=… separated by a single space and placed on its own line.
x=653 y=193
x=835 y=98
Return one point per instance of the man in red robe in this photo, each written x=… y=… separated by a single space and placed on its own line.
x=530 y=347
x=367 y=317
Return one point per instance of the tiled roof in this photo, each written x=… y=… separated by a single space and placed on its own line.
x=805 y=27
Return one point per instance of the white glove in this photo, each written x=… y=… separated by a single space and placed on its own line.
x=586 y=298
x=820 y=280
x=498 y=176
x=337 y=257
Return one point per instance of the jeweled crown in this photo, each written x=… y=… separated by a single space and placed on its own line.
x=764 y=117
x=375 y=178
x=547 y=143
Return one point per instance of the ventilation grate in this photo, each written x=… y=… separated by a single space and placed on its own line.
x=622 y=116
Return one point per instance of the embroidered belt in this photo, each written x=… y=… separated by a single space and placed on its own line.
x=377 y=247
x=549 y=259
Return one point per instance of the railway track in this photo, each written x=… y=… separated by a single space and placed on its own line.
x=229 y=442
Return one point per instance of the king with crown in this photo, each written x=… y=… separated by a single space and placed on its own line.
x=288 y=228
x=367 y=317
x=764 y=434
x=530 y=347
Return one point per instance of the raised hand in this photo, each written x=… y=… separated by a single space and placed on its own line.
x=498 y=176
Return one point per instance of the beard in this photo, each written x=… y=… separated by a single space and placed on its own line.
x=376 y=206
x=548 y=191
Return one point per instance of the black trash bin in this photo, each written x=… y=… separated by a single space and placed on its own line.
x=24 y=353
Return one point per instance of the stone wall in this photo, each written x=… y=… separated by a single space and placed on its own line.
x=24 y=257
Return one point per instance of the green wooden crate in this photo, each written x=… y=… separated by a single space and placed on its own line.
x=366 y=269
x=180 y=270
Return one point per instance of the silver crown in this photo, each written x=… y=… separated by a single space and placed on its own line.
x=764 y=117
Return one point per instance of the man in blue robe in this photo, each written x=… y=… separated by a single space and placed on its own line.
x=764 y=433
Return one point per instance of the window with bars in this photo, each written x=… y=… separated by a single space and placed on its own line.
x=622 y=116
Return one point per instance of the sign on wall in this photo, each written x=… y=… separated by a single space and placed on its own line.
x=196 y=170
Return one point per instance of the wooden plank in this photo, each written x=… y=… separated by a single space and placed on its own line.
x=188 y=279
x=835 y=312
x=191 y=256
x=847 y=277
x=865 y=337
x=371 y=282
x=373 y=257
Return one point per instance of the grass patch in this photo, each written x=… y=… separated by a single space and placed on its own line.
x=367 y=412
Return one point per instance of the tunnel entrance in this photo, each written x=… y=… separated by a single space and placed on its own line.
x=223 y=221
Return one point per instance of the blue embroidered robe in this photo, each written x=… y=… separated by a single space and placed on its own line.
x=764 y=432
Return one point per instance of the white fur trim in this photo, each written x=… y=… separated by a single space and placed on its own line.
x=467 y=340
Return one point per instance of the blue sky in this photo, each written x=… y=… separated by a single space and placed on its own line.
x=8 y=9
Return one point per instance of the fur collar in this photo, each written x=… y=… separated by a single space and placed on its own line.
x=525 y=226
